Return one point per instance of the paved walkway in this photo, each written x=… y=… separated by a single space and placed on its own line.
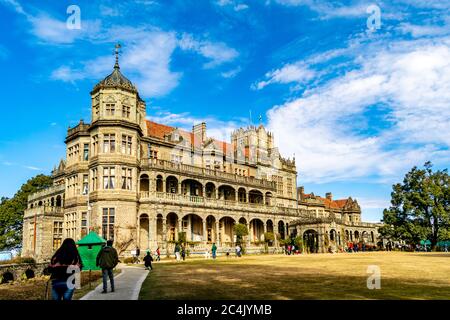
x=127 y=285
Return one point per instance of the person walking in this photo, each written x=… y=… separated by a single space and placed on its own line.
x=238 y=251
x=107 y=259
x=65 y=257
x=183 y=252
x=148 y=261
x=177 y=252
x=138 y=253
x=158 y=254
x=214 y=250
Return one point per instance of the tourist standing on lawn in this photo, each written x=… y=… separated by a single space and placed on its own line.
x=177 y=252
x=66 y=256
x=148 y=261
x=214 y=250
x=238 y=251
x=158 y=254
x=107 y=259
x=183 y=252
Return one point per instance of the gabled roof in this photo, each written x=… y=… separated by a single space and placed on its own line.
x=92 y=238
x=159 y=131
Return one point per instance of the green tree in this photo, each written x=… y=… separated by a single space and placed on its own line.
x=240 y=230
x=420 y=207
x=12 y=210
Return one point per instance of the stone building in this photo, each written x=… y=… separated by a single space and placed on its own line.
x=141 y=183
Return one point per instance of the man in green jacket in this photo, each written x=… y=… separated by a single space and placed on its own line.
x=214 y=250
x=107 y=259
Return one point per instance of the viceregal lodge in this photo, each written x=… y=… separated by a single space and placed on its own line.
x=142 y=183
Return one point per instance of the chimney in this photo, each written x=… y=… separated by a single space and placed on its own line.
x=300 y=192
x=329 y=195
x=199 y=131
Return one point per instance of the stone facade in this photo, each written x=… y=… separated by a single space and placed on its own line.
x=140 y=183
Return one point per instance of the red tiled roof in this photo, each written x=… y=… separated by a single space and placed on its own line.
x=158 y=130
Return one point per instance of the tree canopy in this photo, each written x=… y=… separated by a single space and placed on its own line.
x=12 y=210
x=420 y=207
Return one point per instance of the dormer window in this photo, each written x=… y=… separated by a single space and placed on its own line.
x=110 y=109
x=126 y=111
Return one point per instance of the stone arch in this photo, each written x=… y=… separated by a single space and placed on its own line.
x=227 y=192
x=159 y=183
x=192 y=187
x=269 y=224
x=356 y=234
x=171 y=184
x=192 y=224
x=29 y=274
x=226 y=232
x=311 y=240
x=172 y=226
x=144 y=231
x=269 y=196
x=159 y=228
x=52 y=202
x=210 y=190
x=242 y=194
x=144 y=183
x=281 y=229
x=256 y=230
x=333 y=235
x=7 y=277
x=364 y=236
x=255 y=196
x=40 y=203
x=58 y=201
x=211 y=231
x=243 y=220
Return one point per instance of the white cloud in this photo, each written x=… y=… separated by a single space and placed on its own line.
x=299 y=73
x=335 y=139
x=231 y=73
x=216 y=52
x=216 y=128
x=146 y=59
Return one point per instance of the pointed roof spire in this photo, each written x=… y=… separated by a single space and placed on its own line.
x=116 y=52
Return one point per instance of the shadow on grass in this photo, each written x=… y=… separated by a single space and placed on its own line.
x=222 y=281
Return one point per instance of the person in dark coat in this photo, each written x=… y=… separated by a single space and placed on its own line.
x=107 y=259
x=65 y=262
x=183 y=253
x=148 y=261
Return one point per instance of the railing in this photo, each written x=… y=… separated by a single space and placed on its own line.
x=189 y=169
x=46 y=192
x=175 y=198
x=81 y=127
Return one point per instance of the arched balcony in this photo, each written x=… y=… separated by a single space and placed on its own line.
x=227 y=193
x=171 y=184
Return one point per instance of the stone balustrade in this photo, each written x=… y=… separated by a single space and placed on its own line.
x=177 y=199
x=156 y=164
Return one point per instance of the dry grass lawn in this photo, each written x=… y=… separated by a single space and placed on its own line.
x=319 y=276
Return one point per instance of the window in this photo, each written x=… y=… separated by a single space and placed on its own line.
x=57 y=234
x=126 y=111
x=126 y=144
x=109 y=143
x=96 y=110
x=85 y=184
x=95 y=144
x=279 y=181
x=289 y=187
x=110 y=109
x=94 y=179
x=108 y=223
x=176 y=158
x=83 y=223
x=126 y=178
x=86 y=152
x=109 y=176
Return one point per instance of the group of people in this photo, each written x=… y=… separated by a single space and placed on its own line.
x=290 y=249
x=66 y=263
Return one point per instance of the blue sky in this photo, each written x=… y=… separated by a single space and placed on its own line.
x=357 y=107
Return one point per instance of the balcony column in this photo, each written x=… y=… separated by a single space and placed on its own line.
x=164 y=230
x=264 y=199
x=287 y=232
x=205 y=232
x=164 y=186
x=218 y=240
x=216 y=192
x=248 y=236
x=189 y=229
x=247 y=196
x=179 y=188
x=203 y=191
